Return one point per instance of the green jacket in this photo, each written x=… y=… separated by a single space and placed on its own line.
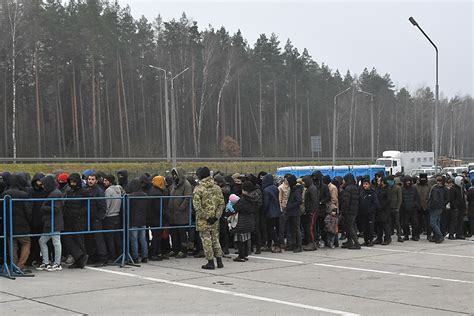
x=208 y=201
x=394 y=196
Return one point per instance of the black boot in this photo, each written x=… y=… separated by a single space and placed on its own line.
x=219 y=263
x=209 y=265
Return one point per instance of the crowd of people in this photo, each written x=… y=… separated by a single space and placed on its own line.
x=249 y=213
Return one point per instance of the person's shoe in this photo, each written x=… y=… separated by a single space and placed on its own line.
x=430 y=238
x=26 y=271
x=400 y=239
x=438 y=241
x=415 y=238
x=200 y=254
x=172 y=253
x=332 y=247
x=238 y=259
x=104 y=263
x=181 y=255
x=451 y=237
x=265 y=249
x=377 y=241
x=54 y=267
x=209 y=265
x=43 y=267
x=219 y=263
x=69 y=260
x=276 y=249
x=83 y=261
x=246 y=258
x=347 y=242
x=258 y=250
x=226 y=251
x=310 y=247
x=406 y=238
x=156 y=258
x=347 y=245
x=145 y=260
x=386 y=242
x=298 y=249
x=370 y=244
x=354 y=247
x=75 y=265
x=460 y=237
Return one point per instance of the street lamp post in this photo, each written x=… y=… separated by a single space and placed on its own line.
x=173 y=120
x=412 y=20
x=372 y=156
x=167 y=115
x=334 y=138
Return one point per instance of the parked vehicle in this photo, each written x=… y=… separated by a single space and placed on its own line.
x=470 y=167
x=405 y=161
x=451 y=171
x=429 y=171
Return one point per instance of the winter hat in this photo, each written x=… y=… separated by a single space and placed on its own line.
x=219 y=179
x=62 y=178
x=458 y=181
x=159 y=182
x=248 y=186
x=236 y=177
x=234 y=198
x=87 y=173
x=110 y=178
x=203 y=172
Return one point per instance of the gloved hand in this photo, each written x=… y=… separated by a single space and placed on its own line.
x=211 y=220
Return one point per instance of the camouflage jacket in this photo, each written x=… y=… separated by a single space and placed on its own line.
x=208 y=201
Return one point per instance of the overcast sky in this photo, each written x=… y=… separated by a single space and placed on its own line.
x=351 y=34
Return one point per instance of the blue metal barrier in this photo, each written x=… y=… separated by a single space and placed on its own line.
x=123 y=259
x=5 y=271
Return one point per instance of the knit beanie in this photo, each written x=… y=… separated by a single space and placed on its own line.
x=159 y=182
x=248 y=186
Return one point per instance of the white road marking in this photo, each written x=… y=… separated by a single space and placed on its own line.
x=424 y=253
x=392 y=273
x=275 y=259
x=209 y=289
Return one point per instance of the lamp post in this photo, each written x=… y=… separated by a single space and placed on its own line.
x=334 y=138
x=173 y=119
x=412 y=20
x=167 y=115
x=372 y=156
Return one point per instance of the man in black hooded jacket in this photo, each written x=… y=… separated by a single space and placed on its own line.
x=75 y=220
x=292 y=210
x=349 y=209
x=36 y=192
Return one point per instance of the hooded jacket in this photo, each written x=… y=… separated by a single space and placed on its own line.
x=394 y=196
x=311 y=196
x=98 y=206
x=49 y=185
x=383 y=211
x=37 y=193
x=122 y=178
x=158 y=204
x=246 y=207
x=179 y=207
x=369 y=202
x=113 y=202
x=21 y=211
x=138 y=205
x=456 y=199
x=470 y=201
x=350 y=197
x=295 y=198
x=75 y=210
x=208 y=201
x=410 y=198
x=271 y=206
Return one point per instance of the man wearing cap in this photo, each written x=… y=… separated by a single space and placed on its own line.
x=208 y=202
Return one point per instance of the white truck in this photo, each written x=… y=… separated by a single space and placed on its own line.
x=405 y=161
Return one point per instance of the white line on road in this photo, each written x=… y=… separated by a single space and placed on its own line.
x=275 y=259
x=424 y=253
x=392 y=273
x=209 y=289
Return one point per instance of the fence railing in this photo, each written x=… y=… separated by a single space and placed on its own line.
x=11 y=270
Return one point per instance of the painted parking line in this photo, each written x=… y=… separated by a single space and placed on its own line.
x=392 y=273
x=276 y=259
x=226 y=292
x=424 y=253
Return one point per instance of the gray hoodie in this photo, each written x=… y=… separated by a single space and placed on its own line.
x=113 y=194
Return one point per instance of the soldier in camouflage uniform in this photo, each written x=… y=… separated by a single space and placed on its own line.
x=208 y=203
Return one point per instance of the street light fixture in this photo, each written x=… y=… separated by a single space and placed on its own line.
x=167 y=115
x=173 y=119
x=334 y=138
x=372 y=156
x=412 y=20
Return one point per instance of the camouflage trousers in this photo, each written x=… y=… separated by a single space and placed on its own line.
x=210 y=243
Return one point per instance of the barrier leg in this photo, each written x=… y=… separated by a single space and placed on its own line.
x=5 y=271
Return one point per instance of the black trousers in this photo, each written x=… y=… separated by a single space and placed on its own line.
x=367 y=226
x=295 y=228
x=350 y=229
x=257 y=233
x=456 y=223
x=410 y=217
x=395 y=220
x=243 y=248
x=100 y=245
x=308 y=221
x=273 y=227
x=155 y=248
x=113 y=241
x=178 y=239
x=74 y=243
x=383 y=228
x=224 y=234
